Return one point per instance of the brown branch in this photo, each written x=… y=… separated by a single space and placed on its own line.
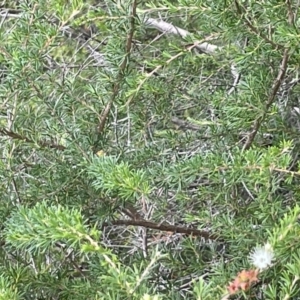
x=17 y=136
x=164 y=227
x=275 y=88
x=266 y=39
x=117 y=84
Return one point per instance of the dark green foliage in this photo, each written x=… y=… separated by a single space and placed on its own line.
x=136 y=163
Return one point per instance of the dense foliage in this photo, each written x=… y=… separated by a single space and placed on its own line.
x=147 y=147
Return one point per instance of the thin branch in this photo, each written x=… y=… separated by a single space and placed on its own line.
x=17 y=136
x=117 y=84
x=164 y=227
x=14 y=184
x=276 y=85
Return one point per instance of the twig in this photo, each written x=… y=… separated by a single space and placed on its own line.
x=17 y=136
x=275 y=88
x=117 y=84
x=164 y=227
